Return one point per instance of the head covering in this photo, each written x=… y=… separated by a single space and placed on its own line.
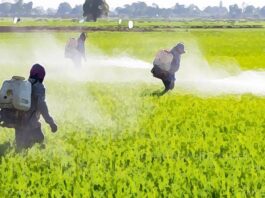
x=180 y=47
x=83 y=36
x=37 y=72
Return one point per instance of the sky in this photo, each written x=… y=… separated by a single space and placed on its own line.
x=162 y=3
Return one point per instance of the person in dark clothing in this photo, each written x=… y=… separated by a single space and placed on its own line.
x=81 y=44
x=29 y=132
x=168 y=78
x=81 y=52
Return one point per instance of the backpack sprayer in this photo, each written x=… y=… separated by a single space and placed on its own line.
x=71 y=48
x=15 y=97
x=162 y=64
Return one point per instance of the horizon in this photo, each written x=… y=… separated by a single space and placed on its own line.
x=162 y=4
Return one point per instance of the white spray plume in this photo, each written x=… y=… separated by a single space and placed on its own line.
x=195 y=73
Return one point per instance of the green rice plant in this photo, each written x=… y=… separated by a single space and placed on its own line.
x=117 y=140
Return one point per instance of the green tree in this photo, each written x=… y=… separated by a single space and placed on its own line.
x=94 y=9
x=64 y=9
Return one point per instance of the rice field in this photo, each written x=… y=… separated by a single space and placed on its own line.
x=116 y=139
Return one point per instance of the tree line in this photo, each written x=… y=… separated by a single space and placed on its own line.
x=92 y=9
x=26 y=9
x=141 y=9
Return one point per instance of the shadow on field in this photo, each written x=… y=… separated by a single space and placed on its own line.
x=4 y=148
x=153 y=93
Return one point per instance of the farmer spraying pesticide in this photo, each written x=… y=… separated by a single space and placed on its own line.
x=166 y=64
x=75 y=49
x=22 y=103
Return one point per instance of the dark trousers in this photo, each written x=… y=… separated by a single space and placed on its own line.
x=167 y=78
x=26 y=138
x=169 y=84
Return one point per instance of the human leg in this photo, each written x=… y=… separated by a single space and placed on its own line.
x=26 y=138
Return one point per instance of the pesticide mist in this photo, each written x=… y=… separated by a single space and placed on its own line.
x=195 y=74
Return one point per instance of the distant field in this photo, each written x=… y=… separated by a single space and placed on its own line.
x=144 y=23
x=245 y=47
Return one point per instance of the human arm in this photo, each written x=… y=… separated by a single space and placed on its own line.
x=81 y=48
x=1 y=118
x=175 y=62
x=43 y=108
x=174 y=66
x=84 y=52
